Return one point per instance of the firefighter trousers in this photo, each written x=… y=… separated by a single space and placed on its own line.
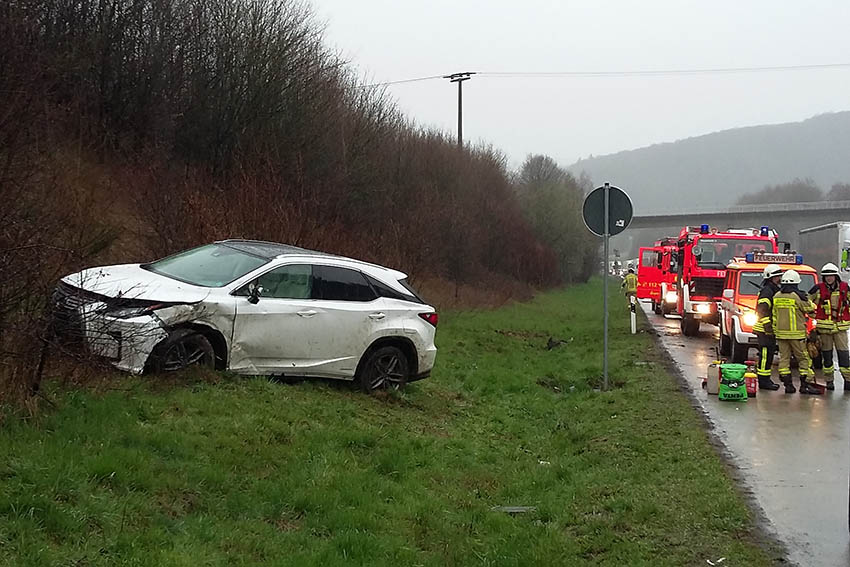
x=767 y=346
x=837 y=341
x=797 y=347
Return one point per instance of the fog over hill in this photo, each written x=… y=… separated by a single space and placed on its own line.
x=712 y=171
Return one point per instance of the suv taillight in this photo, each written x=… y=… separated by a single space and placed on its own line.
x=432 y=318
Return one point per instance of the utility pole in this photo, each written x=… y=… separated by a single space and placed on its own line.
x=459 y=78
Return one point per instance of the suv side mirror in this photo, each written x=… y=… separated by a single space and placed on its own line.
x=729 y=294
x=255 y=290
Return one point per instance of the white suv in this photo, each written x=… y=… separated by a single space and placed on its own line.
x=253 y=308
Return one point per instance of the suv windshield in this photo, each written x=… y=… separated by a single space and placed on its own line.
x=750 y=282
x=721 y=251
x=213 y=265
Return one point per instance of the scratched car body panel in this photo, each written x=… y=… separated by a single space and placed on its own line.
x=261 y=308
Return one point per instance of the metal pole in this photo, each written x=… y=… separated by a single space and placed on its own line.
x=605 y=237
x=460 y=114
x=459 y=78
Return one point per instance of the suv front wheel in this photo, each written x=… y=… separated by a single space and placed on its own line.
x=385 y=368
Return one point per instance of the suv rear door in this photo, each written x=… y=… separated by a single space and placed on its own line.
x=349 y=313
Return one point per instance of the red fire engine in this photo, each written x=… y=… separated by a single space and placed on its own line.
x=703 y=254
x=657 y=275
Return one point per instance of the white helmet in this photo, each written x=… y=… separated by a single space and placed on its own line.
x=829 y=270
x=771 y=271
x=791 y=277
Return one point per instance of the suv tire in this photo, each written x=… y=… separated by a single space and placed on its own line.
x=385 y=368
x=182 y=348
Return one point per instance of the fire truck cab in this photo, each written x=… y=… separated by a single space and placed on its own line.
x=657 y=275
x=740 y=294
x=703 y=255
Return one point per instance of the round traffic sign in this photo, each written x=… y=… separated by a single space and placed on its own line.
x=619 y=211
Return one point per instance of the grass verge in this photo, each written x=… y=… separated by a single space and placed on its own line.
x=248 y=471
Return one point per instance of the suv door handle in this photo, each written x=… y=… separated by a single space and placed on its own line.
x=309 y=313
x=376 y=316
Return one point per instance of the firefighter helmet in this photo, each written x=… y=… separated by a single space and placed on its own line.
x=791 y=277
x=771 y=271
x=829 y=270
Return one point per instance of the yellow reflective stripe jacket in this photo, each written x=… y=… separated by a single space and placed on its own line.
x=630 y=283
x=789 y=315
x=828 y=325
x=764 y=309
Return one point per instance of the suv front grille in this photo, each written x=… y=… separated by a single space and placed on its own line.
x=707 y=287
x=67 y=301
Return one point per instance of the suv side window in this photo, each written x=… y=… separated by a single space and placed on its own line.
x=340 y=284
x=286 y=282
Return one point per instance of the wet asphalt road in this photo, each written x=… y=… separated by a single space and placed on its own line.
x=791 y=449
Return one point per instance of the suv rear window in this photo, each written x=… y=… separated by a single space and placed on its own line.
x=340 y=284
x=384 y=290
x=406 y=285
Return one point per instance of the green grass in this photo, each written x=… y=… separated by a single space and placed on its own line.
x=247 y=471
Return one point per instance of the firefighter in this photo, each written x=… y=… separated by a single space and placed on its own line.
x=790 y=306
x=832 y=313
x=629 y=285
x=764 y=327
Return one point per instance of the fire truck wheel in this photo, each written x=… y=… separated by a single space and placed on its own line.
x=656 y=307
x=690 y=326
x=725 y=344
x=739 y=352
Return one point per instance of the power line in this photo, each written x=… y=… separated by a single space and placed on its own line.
x=664 y=72
x=414 y=80
x=626 y=73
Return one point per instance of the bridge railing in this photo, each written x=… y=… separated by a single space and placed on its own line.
x=756 y=209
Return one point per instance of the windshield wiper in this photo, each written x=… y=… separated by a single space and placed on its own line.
x=754 y=284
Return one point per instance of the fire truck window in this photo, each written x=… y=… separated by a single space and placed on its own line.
x=647 y=259
x=659 y=259
x=724 y=250
x=750 y=283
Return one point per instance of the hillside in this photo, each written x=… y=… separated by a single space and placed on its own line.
x=713 y=170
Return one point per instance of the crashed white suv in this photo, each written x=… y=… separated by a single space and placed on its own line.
x=252 y=307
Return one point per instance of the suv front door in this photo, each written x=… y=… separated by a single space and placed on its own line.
x=278 y=332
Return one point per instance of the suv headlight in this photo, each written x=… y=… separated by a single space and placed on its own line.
x=703 y=308
x=750 y=319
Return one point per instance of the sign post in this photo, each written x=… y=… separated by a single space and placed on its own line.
x=607 y=211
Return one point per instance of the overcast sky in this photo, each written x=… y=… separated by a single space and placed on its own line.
x=571 y=118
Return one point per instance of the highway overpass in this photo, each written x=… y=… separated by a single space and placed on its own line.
x=786 y=218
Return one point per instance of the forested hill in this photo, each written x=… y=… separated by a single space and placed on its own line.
x=714 y=170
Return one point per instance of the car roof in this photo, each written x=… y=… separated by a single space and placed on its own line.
x=265 y=249
x=273 y=250
x=760 y=266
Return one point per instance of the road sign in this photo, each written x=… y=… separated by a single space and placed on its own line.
x=619 y=211
x=607 y=211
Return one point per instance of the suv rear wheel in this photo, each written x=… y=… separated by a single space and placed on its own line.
x=385 y=368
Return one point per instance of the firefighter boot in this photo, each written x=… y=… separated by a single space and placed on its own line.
x=765 y=383
x=847 y=384
x=830 y=384
x=789 y=386
x=806 y=388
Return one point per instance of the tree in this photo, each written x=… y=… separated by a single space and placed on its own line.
x=797 y=191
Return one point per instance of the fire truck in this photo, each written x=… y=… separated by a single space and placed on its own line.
x=744 y=277
x=702 y=256
x=657 y=275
